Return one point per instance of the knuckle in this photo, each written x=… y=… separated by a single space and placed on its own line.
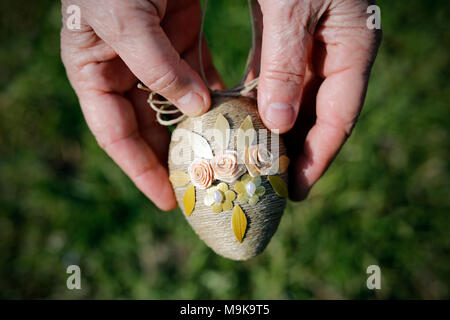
x=164 y=77
x=108 y=143
x=285 y=76
x=342 y=127
x=150 y=167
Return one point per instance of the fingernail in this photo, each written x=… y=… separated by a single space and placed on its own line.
x=280 y=114
x=192 y=103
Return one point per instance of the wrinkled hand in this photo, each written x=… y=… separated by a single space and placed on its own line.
x=315 y=61
x=119 y=43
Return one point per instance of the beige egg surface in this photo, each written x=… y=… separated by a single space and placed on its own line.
x=216 y=229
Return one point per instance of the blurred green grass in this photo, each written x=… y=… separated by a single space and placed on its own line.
x=384 y=201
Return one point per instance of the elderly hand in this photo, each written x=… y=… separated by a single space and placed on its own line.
x=315 y=61
x=119 y=43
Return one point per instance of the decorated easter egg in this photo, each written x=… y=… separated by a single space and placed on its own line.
x=229 y=173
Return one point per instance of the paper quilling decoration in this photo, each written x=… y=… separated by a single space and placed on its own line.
x=229 y=174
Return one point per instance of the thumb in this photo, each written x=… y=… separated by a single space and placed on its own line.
x=285 y=44
x=134 y=32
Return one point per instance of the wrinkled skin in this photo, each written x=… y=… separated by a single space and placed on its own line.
x=313 y=59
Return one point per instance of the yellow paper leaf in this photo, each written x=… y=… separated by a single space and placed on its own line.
x=279 y=186
x=245 y=136
x=200 y=146
x=179 y=178
x=222 y=132
x=239 y=223
x=283 y=164
x=189 y=200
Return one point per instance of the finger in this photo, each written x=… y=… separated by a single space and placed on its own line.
x=347 y=55
x=92 y=64
x=133 y=31
x=336 y=116
x=112 y=121
x=285 y=44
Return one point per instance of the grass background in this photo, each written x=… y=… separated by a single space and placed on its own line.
x=384 y=201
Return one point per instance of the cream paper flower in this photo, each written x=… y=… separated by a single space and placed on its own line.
x=258 y=160
x=226 y=167
x=201 y=173
x=220 y=198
